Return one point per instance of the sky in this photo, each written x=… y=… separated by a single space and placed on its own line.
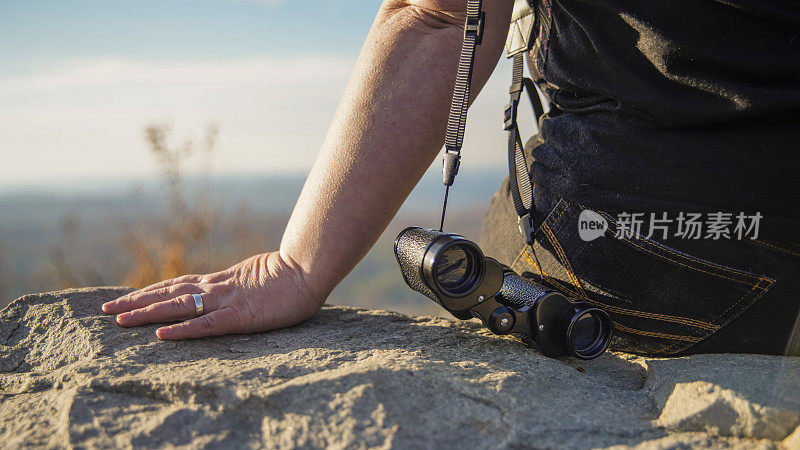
x=80 y=80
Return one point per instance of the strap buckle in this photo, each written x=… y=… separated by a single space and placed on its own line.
x=526 y=228
x=510 y=115
x=451 y=160
x=474 y=25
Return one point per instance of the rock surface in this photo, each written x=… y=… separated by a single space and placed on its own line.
x=70 y=377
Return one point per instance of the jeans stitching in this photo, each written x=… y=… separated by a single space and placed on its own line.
x=518 y=258
x=531 y=263
x=777 y=248
x=678 y=339
x=672 y=337
x=678 y=254
x=569 y=292
x=663 y=317
x=684 y=256
x=582 y=294
x=690 y=267
x=571 y=295
x=754 y=287
x=748 y=293
x=564 y=261
x=672 y=348
x=564 y=206
x=634 y=312
x=655 y=316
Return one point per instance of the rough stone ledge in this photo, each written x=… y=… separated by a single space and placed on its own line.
x=70 y=377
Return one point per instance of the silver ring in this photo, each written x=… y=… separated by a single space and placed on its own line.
x=198 y=304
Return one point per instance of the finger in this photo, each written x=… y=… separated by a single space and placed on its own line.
x=215 y=323
x=110 y=307
x=138 y=299
x=177 y=308
x=162 y=284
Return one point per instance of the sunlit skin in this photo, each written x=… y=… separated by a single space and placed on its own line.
x=387 y=130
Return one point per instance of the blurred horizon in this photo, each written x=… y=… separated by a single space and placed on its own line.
x=54 y=240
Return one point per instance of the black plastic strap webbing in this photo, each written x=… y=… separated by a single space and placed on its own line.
x=454 y=137
x=519 y=178
x=458 y=106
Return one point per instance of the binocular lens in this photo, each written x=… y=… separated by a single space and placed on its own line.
x=588 y=335
x=456 y=269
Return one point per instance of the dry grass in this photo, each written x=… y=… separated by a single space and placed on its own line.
x=173 y=240
x=178 y=240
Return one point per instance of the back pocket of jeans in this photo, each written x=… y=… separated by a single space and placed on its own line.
x=662 y=300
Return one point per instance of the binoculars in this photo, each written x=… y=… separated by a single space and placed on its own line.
x=453 y=272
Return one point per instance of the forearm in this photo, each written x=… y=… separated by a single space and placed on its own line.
x=388 y=128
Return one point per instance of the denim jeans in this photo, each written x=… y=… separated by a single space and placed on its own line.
x=666 y=298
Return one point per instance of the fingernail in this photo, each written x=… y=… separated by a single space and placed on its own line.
x=123 y=317
x=162 y=333
x=107 y=306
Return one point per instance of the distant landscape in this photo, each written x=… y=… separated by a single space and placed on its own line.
x=141 y=141
x=53 y=239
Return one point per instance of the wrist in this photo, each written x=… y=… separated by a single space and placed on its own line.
x=309 y=287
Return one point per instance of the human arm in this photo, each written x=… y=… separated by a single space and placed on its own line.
x=388 y=128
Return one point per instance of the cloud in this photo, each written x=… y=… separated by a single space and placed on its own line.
x=111 y=72
x=84 y=117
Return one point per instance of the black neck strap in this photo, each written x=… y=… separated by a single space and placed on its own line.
x=454 y=138
x=519 y=179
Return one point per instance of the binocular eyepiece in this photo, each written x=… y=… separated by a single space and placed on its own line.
x=453 y=272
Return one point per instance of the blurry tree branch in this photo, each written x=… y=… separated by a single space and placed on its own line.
x=174 y=240
x=178 y=239
x=3 y=280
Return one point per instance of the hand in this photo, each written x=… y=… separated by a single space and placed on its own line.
x=261 y=293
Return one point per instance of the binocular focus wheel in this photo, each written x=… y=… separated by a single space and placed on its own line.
x=502 y=320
